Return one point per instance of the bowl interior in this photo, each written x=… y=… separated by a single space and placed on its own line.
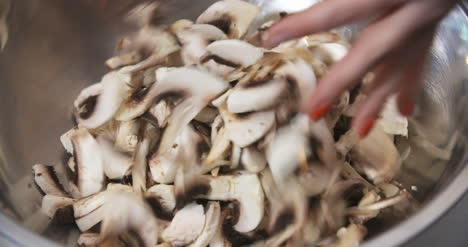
x=56 y=49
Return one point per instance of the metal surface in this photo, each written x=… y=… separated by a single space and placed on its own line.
x=58 y=47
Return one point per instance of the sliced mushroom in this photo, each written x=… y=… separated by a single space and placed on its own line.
x=197 y=88
x=125 y=59
x=246 y=129
x=253 y=160
x=351 y=236
x=186 y=147
x=127 y=136
x=195 y=38
x=246 y=190
x=162 y=200
x=212 y=220
x=232 y=16
x=330 y=53
x=116 y=164
x=47 y=181
x=161 y=111
x=97 y=104
x=153 y=40
x=186 y=226
x=284 y=152
x=149 y=135
x=225 y=56
x=118 y=212
x=207 y=115
x=256 y=96
x=58 y=209
x=219 y=150
x=376 y=156
x=301 y=78
x=89 y=162
x=391 y=121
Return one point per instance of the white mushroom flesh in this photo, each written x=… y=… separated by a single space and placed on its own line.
x=200 y=137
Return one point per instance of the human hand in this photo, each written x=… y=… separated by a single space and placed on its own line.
x=396 y=45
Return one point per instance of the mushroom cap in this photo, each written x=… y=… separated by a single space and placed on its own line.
x=186 y=225
x=232 y=16
x=256 y=96
x=165 y=195
x=246 y=189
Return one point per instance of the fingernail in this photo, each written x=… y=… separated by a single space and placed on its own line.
x=407 y=109
x=366 y=128
x=319 y=112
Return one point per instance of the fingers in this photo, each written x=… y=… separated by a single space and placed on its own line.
x=386 y=83
x=376 y=42
x=412 y=79
x=322 y=16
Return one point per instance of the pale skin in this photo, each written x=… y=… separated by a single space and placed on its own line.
x=394 y=46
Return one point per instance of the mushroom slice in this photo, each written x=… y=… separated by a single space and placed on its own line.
x=93 y=110
x=212 y=220
x=116 y=164
x=246 y=190
x=351 y=236
x=58 y=209
x=233 y=54
x=197 y=88
x=123 y=60
x=186 y=226
x=158 y=42
x=195 y=38
x=391 y=121
x=47 y=181
x=207 y=115
x=376 y=156
x=89 y=163
x=253 y=160
x=127 y=136
x=301 y=78
x=118 y=212
x=232 y=16
x=284 y=151
x=219 y=150
x=330 y=53
x=246 y=129
x=256 y=96
x=150 y=136
x=162 y=200
x=186 y=147
x=161 y=111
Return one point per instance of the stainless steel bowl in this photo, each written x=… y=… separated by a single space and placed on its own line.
x=58 y=47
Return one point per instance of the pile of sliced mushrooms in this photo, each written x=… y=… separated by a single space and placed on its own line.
x=196 y=137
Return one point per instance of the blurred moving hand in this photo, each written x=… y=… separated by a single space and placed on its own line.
x=395 y=45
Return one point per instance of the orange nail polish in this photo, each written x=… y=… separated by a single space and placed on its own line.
x=319 y=112
x=407 y=109
x=364 y=131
